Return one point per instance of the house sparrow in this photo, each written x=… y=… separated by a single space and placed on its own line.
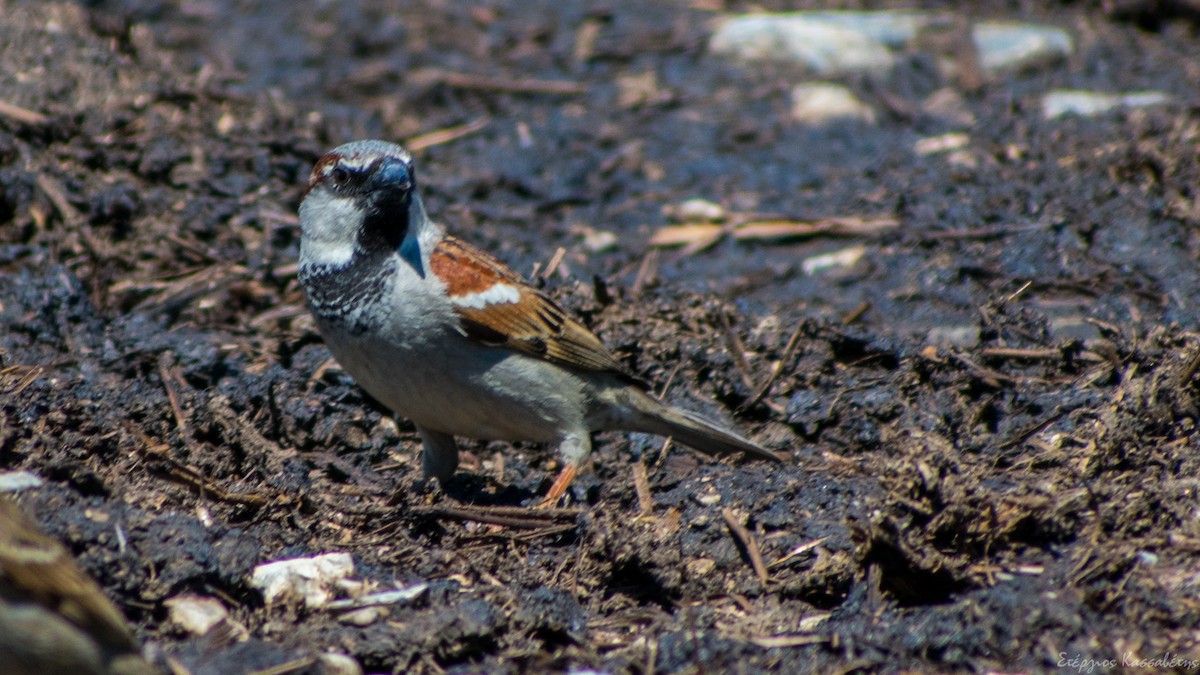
x=447 y=336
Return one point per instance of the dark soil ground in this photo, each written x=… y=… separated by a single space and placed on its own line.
x=990 y=417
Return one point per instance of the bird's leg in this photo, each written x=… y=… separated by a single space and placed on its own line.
x=574 y=448
x=559 y=487
x=439 y=456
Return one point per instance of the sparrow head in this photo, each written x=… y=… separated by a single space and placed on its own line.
x=361 y=200
x=364 y=171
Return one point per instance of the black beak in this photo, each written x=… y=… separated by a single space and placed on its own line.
x=392 y=175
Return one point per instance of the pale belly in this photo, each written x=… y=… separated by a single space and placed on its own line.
x=465 y=389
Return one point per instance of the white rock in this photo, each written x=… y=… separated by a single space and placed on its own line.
x=893 y=28
x=934 y=145
x=813 y=622
x=1007 y=46
x=1061 y=102
x=339 y=664
x=696 y=210
x=599 y=241
x=196 y=614
x=845 y=257
x=310 y=579
x=821 y=102
x=827 y=42
x=15 y=481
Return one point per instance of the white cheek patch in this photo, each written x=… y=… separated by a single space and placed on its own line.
x=498 y=294
x=329 y=228
x=326 y=253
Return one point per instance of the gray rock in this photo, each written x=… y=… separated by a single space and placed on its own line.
x=1010 y=46
x=826 y=42
x=950 y=106
x=953 y=336
x=892 y=28
x=1073 y=328
x=834 y=43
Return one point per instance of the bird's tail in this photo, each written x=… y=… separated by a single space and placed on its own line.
x=691 y=429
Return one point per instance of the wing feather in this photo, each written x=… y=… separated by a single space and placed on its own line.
x=533 y=324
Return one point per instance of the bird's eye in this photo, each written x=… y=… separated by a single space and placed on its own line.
x=340 y=176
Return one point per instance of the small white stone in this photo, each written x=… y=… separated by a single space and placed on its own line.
x=362 y=617
x=339 y=664
x=963 y=159
x=821 y=102
x=696 y=210
x=1060 y=102
x=813 y=622
x=933 y=145
x=15 y=481
x=599 y=241
x=196 y=614
x=841 y=258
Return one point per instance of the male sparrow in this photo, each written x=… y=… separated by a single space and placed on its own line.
x=449 y=337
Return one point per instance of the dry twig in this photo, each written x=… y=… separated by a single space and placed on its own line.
x=697 y=237
x=746 y=539
x=733 y=342
x=169 y=379
x=508 y=516
x=27 y=374
x=552 y=266
x=441 y=136
x=23 y=115
x=788 y=352
x=646 y=273
x=502 y=84
x=196 y=480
